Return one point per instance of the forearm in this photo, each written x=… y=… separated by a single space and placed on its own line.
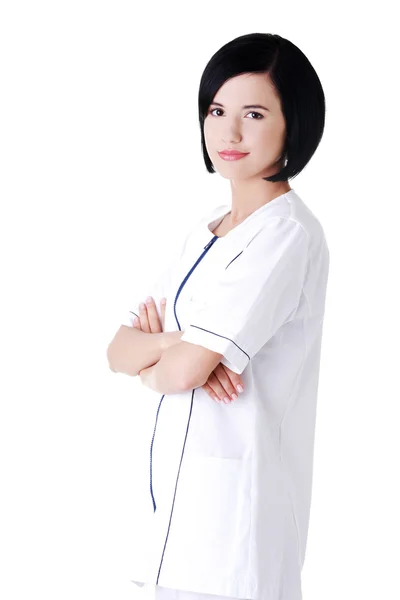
x=132 y=350
x=166 y=376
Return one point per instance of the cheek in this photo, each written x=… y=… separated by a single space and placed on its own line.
x=210 y=131
x=212 y=138
x=268 y=141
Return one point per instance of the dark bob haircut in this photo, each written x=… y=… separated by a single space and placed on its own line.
x=295 y=80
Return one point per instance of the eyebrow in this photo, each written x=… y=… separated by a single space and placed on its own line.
x=245 y=106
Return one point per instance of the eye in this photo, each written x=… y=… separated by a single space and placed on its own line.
x=256 y=113
x=260 y=116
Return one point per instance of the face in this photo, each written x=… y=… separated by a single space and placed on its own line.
x=258 y=131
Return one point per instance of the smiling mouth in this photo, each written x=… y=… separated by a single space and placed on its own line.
x=231 y=156
x=232 y=152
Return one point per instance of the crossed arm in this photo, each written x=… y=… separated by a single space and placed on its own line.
x=165 y=364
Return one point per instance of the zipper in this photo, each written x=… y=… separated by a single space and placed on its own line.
x=206 y=249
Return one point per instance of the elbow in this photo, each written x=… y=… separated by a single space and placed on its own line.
x=175 y=383
x=200 y=370
x=193 y=380
x=109 y=356
x=196 y=374
x=172 y=380
x=117 y=354
x=110 y=360
x=179 y=370
x=114 y=365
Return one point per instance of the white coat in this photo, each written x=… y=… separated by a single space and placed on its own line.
x=230 y=484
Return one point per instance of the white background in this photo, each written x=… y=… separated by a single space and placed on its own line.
x=101 y=176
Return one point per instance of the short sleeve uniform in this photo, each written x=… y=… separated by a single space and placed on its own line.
x=230 y=484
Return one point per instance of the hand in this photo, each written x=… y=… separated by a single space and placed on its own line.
x=221 y=382
x=148 y=320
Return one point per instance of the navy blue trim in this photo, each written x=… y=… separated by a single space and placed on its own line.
x=151 y=455
x=223 y=336
x=210 y=243
x=176 y=485
x=233 y=260
x=206 y=248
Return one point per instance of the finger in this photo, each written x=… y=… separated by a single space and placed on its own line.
x=218 y=388
x=144 y=320
x=136 y=322
x=163 y=305
x=226 y=384
x=152 y=315
x=229 y=379
x=210 y=392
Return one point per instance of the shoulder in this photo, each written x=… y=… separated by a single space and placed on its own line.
x=300 y=219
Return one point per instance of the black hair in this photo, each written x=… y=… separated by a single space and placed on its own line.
x=295 y=80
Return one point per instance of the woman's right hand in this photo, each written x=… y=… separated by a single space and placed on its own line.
x=222 y=382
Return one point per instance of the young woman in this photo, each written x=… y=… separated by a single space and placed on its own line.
x=230 y=482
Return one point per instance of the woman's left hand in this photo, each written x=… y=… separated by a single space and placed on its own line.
x=148 y=320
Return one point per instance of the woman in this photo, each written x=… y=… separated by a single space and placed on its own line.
x=230 y=484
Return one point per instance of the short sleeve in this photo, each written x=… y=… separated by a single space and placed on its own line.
x=254 y=296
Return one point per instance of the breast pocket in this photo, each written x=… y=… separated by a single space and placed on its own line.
x=190 y=308
x=233 y=259
x=204 y=280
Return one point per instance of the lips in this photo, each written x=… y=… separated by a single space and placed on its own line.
x=232 y=153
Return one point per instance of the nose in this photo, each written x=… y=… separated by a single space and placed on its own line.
x=231 y=138
x=232 y=134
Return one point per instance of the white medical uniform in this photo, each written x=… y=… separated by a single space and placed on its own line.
x=230 y=484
